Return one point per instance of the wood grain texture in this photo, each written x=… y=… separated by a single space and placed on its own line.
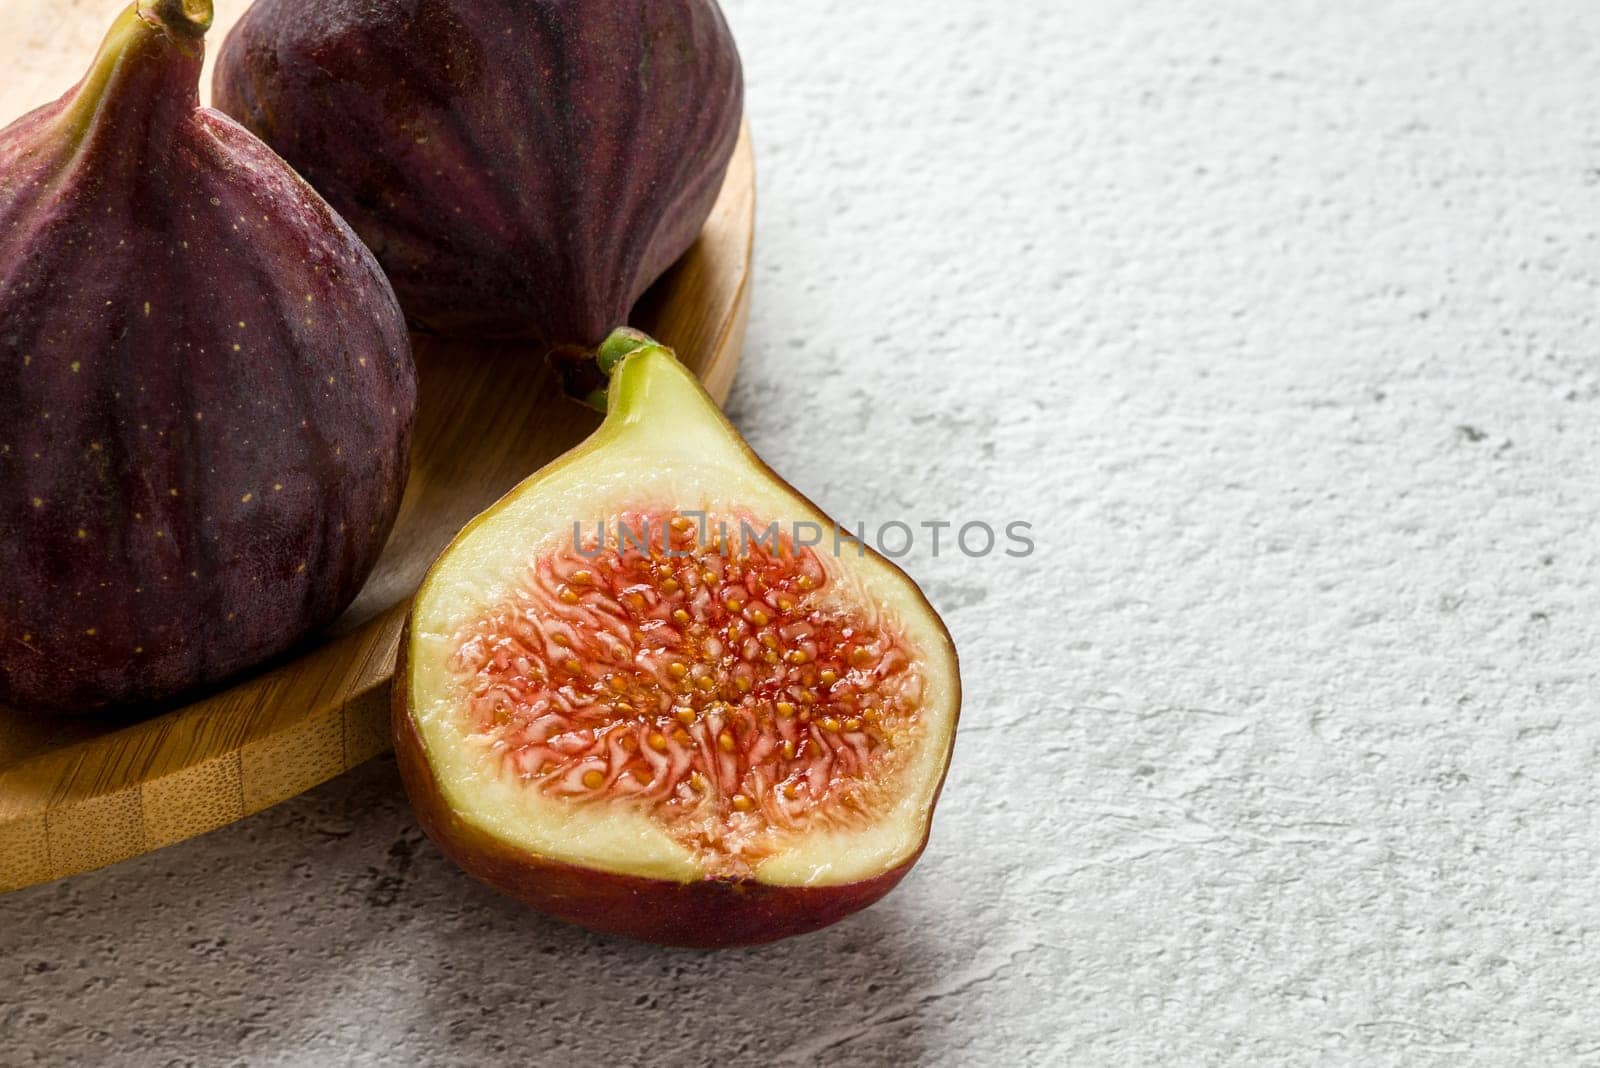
x=77 y=796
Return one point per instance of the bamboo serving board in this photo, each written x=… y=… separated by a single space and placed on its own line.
x=78 y=796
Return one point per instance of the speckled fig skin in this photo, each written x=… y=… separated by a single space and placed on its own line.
x=709 y=914
x=206 y=388
x=524 y=169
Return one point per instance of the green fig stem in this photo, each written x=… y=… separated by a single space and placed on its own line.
x=622 y=343
x=140 y=36
x=586 y=374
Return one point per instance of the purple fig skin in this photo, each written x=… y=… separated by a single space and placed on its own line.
x=524 y=169
x=206 y=388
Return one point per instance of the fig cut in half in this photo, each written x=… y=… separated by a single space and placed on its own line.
x=654 y=691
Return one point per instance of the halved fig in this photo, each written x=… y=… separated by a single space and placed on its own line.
x=654 y=691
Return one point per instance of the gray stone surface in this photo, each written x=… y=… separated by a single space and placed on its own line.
x=1279 y=321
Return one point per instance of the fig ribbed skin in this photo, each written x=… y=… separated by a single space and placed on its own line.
x=206 y=391
x=522 y=168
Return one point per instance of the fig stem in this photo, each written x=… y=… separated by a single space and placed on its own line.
x=586 y=374
x=622 y=343
x=183 y=23
x=189 y=18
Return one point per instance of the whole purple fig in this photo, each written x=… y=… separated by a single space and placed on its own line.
x=206 y=388
x=522 y=168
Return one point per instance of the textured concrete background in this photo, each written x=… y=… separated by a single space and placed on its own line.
x=1279 y=321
